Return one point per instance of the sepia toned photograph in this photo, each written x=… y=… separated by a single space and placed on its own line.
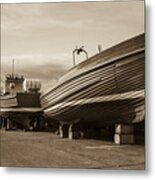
x=72 y=85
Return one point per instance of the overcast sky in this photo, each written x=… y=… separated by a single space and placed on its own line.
x=41 y=37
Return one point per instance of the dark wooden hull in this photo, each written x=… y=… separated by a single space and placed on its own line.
x=105 y=89
x=21 y=108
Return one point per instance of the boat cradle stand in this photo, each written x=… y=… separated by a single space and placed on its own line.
x=124 y=134
x=69 y=130
x=6 y=123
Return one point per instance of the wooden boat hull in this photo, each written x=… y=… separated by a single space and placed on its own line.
x=20 y=109
x=105 y=89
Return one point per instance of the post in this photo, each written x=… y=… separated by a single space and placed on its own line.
x=13 y=62
x=63 y=129
x=1 y=122
x=8 y=124
x=74 y=132
x=124 y=134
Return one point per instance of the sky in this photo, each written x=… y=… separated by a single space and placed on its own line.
x=41 y=36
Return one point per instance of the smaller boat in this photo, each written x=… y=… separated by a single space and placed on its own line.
x=20 y=108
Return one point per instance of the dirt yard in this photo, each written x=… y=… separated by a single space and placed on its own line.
x=40 y=149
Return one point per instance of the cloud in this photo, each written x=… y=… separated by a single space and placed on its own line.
x=36 y=58
x=41 y=37
x=31 y=17
x=48 y=74
x=46 y=68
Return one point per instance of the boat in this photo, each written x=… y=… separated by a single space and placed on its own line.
x=20 y=108
x=106 y=89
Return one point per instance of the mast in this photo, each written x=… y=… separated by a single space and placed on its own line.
x=13 y=63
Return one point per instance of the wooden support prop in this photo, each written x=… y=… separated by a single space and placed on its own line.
x=7 y=124
x=63 y=129
x=124 y=139
x=124 y=134
x=124 y=128
x=73 y=133
x=66 y=129
x=2 y=123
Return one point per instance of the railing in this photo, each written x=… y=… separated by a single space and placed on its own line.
x=14 y=77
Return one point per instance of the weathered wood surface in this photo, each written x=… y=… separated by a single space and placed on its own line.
x=99 y=81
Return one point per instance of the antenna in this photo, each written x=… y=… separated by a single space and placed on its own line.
x=13 y=63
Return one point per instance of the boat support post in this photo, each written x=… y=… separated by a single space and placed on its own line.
x=2 y=123
x=8 y=124
x=66 y=129
x=63 y=130
x=124 y=134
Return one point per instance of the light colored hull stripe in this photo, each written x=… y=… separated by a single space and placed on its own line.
x=20 y=110
x=100 y=99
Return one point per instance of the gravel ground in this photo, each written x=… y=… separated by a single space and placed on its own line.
x=41 y=149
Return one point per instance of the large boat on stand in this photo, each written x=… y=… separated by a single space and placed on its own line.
x=104 y=90
x=20 y=107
